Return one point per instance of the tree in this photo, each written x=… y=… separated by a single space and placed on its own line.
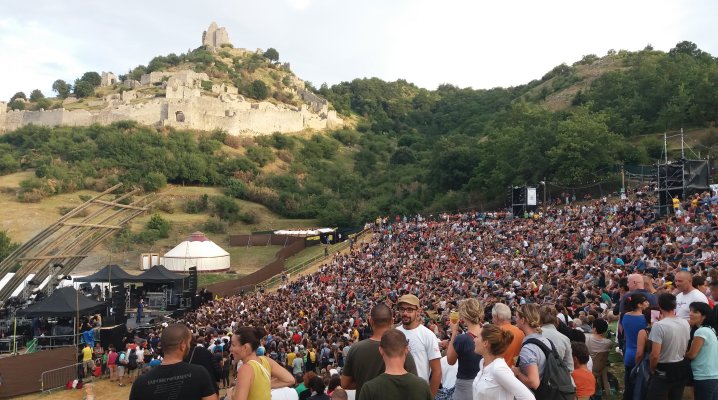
x=18 y=95
x=154 y=181
x=7 y=246
x=93 y=78
x=16 y=104
x=62 y=88
x=271 y=54
x=159 y=224
x=226 y=208
x=36 y=95
x=83 y=89
x=258 y=90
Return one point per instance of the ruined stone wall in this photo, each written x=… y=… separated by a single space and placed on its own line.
x=185 y=107
x=155 y=77
x=108 y=79
x=16 y=119
x=3 y=114
x=215 y=36
x=316 y=103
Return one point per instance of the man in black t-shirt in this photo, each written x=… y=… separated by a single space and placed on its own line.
x=174 y=379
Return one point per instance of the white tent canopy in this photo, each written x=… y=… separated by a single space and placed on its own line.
x=304 y=233
x=197 y=251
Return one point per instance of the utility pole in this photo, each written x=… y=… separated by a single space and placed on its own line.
x=623 y=179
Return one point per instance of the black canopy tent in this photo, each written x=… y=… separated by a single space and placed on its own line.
x=109 y=273
x=64 y=302
x=162 y=283
x=156 y=274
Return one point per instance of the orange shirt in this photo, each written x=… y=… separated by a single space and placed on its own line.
x=585 y=382
x=515 y=347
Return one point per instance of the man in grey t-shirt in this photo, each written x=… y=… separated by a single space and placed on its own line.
x=669 y=342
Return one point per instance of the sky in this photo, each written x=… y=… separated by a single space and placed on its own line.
x=467 y=43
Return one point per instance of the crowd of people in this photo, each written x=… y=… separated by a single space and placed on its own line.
x=473 y=306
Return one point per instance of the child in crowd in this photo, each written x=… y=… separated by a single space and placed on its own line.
x=582 y=377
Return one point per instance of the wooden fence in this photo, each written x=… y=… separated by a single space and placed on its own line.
x=292 y=246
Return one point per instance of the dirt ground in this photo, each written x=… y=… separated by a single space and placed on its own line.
x=103 y=389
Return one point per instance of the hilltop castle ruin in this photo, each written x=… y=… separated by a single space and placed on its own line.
x=184 y=105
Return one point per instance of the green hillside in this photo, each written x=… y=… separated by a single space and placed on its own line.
x=411 y=150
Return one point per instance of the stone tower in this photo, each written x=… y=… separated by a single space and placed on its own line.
x=215 y=36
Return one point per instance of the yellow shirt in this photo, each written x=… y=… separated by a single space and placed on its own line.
x=86 y=354
x=290 y=358
x=676 y=203
x=261 y=388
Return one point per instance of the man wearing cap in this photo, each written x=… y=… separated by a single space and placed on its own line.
x=364 y=361
x=423 y=344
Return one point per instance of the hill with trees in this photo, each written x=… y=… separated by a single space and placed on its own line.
x=411 y=149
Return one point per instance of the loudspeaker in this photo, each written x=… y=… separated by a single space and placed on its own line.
x=113 y=335
x=192 y=281
x=119 y=298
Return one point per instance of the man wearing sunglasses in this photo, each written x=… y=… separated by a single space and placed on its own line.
x=423 y=344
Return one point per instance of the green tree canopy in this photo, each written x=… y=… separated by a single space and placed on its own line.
x=36 y=95
x=62 y=88
x=271 y=54
x=258 y=90
x=93 y=78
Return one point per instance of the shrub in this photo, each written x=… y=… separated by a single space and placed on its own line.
x=226 y=208
x=197 y=206
x=235 y=188
x=159 y=224
x=214 y=226
x=146 y=236
x=260 y=155
x=207 y=85
x=166 y=205
x=16 y=105
x=31 y=196
x=286 y=156
x=154 y=181
x=249 y=217
x=8 y=164
x=258 y=90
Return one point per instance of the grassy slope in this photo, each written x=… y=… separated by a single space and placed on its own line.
x=24 y=220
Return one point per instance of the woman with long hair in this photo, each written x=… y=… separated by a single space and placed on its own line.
x=462 y=349
x=495 y=381
x=258 y=374
x=703 y=352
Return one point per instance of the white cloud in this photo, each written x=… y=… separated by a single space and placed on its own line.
x=462 y=42
x=35 y=58
x=300 y=4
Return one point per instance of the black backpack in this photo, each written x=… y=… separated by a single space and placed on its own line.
x=132 y=361
x=556 y=382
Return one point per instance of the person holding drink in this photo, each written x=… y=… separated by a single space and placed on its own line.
x=461 y=347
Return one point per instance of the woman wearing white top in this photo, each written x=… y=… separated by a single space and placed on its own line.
x=495 y=380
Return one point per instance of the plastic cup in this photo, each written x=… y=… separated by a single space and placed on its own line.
x=454 y=317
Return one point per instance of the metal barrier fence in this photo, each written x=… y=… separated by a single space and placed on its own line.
x=58 y=377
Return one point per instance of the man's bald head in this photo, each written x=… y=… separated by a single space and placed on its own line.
x=635 y=281
x=684 y=281
x=381 y=315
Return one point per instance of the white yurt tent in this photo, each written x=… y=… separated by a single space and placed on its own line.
x=197 y=251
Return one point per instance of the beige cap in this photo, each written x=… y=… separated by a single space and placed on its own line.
x=409 y=299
